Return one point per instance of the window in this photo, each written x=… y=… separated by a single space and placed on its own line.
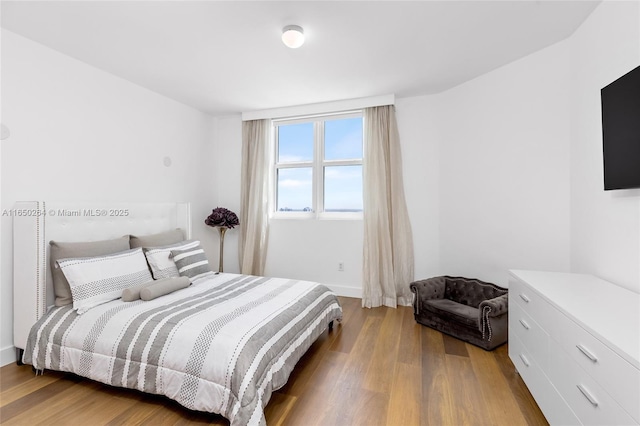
x=318 y=165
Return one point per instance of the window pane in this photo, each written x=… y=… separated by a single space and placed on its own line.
x=295 y=142
x=295 y=189
x=343 y=189
x=343 y=139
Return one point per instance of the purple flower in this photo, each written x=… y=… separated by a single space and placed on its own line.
x=222 y=217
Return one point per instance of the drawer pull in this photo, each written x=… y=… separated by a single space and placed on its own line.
x=587 y=353
x=524 y=297
x=524 y=360
x=587 y=395
x=524 y=324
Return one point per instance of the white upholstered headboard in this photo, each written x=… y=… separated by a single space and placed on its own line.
x=35 y=223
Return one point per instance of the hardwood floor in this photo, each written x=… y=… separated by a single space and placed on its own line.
x=376 y=368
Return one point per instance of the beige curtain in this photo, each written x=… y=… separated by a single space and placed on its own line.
x=254 y=202
x=388 y=243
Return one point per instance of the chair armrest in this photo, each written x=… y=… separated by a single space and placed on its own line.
x=496 y=306
x=490 y=309
x=432 y=288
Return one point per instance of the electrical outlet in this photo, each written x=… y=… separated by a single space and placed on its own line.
x=340 y=266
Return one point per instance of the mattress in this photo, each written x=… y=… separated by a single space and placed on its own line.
x=222 y=345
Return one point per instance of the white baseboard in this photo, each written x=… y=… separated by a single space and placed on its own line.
x=7 y=355
x=346 y=291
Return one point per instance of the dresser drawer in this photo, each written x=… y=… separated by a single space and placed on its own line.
x=554 y=408
x=614 y=374
x=532 y=303
x=589 y=401
x=531 y=335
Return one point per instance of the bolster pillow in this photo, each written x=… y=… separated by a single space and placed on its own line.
x=133 y=293
x=164 y=286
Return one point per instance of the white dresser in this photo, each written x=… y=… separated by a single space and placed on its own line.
x=575 y=340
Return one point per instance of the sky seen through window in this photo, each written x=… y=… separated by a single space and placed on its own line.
x=342 y=183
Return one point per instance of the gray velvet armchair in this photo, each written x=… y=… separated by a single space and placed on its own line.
x=469 y=309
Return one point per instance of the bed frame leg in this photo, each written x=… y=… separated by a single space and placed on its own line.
x=330 y=325
x=19 y=353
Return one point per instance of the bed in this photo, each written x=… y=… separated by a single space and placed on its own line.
x=221 y=345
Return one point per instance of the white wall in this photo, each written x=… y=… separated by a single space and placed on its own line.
x=504 y=178
x=312 y=249
x=486 y=181
x=3 y=315
x=420 y=144
x=299 y=249
x=487 y=174
x=227 y=157
x=78 y=133
x=520 y=152
x=505 y=171
x=605 y=226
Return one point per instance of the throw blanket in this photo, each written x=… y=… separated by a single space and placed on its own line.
x=222 y=345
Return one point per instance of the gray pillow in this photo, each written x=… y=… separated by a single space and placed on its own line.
x=155 y=240
x=160 y=261
x=164 y=286
x=64 y=250
x=131 y=294
x=191 y=262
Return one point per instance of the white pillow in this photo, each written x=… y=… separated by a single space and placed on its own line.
x=160 y=262
x=100 y=279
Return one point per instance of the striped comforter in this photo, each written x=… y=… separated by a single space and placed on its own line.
x=222 y=345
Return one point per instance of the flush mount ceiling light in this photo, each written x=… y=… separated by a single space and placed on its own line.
x=293 y=36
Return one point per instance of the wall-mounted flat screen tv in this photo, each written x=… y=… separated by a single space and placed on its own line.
x=621 y=131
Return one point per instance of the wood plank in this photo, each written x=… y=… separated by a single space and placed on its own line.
x=381 y=369
x=365 y=408
x=174 y=417
x=318 y=402
x=36 y=398
x=169 y=412
x=82 y=411
x=278 y=408
x=499 y=402
x=354 y=317
x=406 y=396
x=10 y=377
x=465 y=393
x=437 y=404
x=410 y=350
x=347 y=389
x=137 y=412
x=51 y=400
x=380 y=311
x=527 y=405
x=30 y=384
x=355 y=372
x=306 y=367
x=453 y=346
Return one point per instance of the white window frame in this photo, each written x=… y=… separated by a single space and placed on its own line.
x=317 y=164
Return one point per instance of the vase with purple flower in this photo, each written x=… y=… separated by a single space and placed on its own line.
x=222 y=219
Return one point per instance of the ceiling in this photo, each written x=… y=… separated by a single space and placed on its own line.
x=226 y=57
